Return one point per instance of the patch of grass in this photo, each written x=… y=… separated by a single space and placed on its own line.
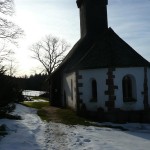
x=65 y=116
x=39 y=97
x=70 y=117
x=43 y=115
x=37 y=105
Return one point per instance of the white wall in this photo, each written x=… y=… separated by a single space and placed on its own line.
x=100 y=76
x=138 y=74
x=71 y=100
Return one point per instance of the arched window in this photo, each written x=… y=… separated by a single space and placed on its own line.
x=94 y=90
x=71 y=89
x=65 y=99
x=128 y=88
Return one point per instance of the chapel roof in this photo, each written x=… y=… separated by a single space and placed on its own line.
x=109 y=50
x=105 y=51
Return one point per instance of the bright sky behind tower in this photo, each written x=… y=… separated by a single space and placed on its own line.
x=130 y=19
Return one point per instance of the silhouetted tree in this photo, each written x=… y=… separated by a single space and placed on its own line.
x=9 y=93
x=35 y=82
x=9 y=33
x=8 y=30
x=11 y=67
x=49 y=52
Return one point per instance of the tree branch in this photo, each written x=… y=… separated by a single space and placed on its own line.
x=49 y=52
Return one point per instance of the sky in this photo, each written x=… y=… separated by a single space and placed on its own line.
x=130 y=19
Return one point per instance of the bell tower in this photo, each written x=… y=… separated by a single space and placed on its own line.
x=93 y=16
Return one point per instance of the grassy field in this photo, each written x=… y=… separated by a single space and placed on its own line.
x=70 y=117
x=65 y=116
x=37 y=105
x=39 y=97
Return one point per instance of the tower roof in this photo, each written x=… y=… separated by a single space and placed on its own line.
x=79 y=2
x=93 y=16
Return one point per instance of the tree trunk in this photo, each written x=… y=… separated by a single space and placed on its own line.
x=50 y=90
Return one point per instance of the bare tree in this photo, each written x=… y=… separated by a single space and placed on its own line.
x=5 y=55
x=11 y=67
x=49 y=52
x=7 y=7
x=9 y=32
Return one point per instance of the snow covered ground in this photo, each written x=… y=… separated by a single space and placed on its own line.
x=31 y=133
x=32 y=93
x=36 y=100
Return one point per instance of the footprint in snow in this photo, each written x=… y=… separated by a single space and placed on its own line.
x=78 y=140
x=80 y=136
x=87 y=140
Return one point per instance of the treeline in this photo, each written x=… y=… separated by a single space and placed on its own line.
x=9 y=93
x=11 y=88
x=37 y=82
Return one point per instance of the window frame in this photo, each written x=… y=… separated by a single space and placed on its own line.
x=93 y=90
x=71 y=89
x=127 y=89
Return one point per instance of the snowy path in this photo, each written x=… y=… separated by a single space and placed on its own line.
x=31 y=133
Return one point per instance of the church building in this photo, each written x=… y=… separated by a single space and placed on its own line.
x=101 y=71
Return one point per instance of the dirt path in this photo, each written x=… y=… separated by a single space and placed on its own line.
x=55 y=134
x=51 y=113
